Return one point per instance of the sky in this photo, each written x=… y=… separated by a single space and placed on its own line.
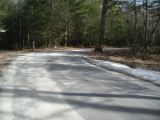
x=14 y=1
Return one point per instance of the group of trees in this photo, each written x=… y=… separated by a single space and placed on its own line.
x=48 y=23
x=133 y=23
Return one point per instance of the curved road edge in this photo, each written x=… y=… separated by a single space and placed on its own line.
x=141 y=77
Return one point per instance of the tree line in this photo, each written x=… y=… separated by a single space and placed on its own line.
x=80 y=23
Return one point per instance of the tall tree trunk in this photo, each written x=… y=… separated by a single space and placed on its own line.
x=145 y=26
x=28 y=38
x=33 y=45
x=20 y=32
x=13 y=27
x=135 y=27
x=145 y=30
x=55 y=43
x=99 y=47
x=45 y=39
x=66 y=36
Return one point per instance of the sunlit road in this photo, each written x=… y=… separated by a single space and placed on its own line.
x=63 y=86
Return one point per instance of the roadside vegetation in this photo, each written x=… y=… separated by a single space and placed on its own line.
x=37 y=24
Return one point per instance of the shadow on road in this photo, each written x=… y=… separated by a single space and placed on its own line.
x=54 y=97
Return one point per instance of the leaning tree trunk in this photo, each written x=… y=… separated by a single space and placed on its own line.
x=154 y=29
x=102 y=27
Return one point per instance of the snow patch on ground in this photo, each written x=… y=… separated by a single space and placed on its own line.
x=60 y=54
x=149 y=75
x=50 y=54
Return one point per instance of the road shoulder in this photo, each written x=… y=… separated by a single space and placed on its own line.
x=147 y=75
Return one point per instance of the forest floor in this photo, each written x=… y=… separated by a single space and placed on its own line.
x=126 y=56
